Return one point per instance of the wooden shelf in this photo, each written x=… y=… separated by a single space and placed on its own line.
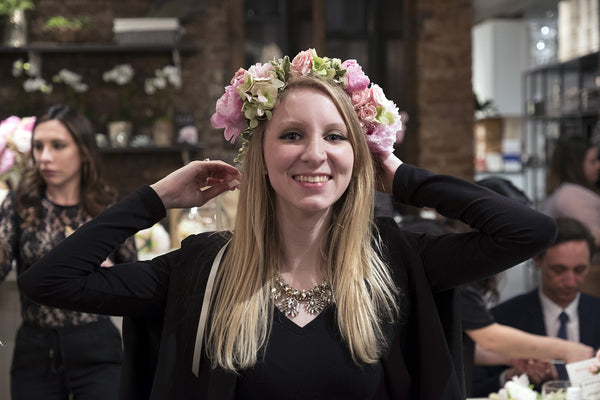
x=53 y=47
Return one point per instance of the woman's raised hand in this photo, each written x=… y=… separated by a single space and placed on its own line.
x=386 y=165
x=196 y=183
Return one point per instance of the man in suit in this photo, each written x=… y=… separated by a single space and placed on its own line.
x=557 y=308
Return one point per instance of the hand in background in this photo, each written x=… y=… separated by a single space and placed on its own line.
x=577 y=352
x=537 y=371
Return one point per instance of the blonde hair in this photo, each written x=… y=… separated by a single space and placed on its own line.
x=364 y=291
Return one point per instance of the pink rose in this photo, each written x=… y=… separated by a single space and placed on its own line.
x=367 y=112
x=229 y=114
x=378 y=95
x=357 y=80
x=7 y=160
x=361 y=97
x=302 y=63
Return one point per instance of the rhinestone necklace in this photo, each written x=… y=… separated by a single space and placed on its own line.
x=287 y=299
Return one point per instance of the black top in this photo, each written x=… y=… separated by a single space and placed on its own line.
x=309 y=362
x=474 y=315
x=26 y=245
x=419 y=363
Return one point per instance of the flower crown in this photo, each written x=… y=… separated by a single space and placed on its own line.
x=252 y=94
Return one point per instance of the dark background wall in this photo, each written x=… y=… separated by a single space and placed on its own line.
x=430 y=78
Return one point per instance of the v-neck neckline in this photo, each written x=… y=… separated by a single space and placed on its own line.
x=292 y=325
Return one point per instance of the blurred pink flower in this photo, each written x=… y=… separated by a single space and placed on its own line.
x=15 y=145
x=7 y=161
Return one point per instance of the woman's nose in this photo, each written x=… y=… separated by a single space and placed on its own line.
x=314 y=151
x=45 y=154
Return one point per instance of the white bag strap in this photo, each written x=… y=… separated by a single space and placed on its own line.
x=204 y=311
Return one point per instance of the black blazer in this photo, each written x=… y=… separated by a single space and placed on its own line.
x=524 y=312
x=419 y=363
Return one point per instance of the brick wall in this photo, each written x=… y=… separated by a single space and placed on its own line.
x=444 y=104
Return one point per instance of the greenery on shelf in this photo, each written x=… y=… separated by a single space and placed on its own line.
x=8 y=7
x=66 y=24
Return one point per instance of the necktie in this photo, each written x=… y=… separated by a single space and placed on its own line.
x=562 y=330
x=562 y=333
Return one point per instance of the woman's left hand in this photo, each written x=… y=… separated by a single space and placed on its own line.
x=386 y=165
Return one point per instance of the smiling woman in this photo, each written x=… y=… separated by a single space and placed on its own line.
x=309 y=295
x=312 y=157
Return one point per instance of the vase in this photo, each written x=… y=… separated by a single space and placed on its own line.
x=119 y=133
x=15 y=30
x=163 y=132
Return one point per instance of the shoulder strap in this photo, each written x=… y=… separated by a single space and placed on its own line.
x=204 y=311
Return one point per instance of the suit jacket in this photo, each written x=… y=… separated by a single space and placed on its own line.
x=418 y=364
x=524 y=312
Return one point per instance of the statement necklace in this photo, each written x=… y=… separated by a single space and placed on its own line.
x=287 y=299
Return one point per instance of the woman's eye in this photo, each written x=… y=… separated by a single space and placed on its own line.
x=290 y=136
x=336 y=137
x=59 y=146
x=38 y=147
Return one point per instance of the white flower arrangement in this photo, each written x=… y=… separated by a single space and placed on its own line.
x=33 y=83
x=163 y=77
x=71 y=79
x=122 y=75
x=155 y=239
x=518 y=388
x=162 y=85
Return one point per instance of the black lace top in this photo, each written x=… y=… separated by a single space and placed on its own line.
x=27 y=245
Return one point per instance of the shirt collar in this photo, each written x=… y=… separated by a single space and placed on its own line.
x=553 y=310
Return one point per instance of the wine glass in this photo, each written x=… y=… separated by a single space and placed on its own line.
x=555 y=390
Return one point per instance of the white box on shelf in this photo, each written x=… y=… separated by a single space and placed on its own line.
x=146 y=31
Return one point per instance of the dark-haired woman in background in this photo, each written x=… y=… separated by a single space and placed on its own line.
x=59 y=354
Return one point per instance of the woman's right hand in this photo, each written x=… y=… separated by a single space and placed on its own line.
x=196 y=183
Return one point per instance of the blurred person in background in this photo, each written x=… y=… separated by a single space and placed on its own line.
x=572 y=190
x=557 y=309
x=59 y=354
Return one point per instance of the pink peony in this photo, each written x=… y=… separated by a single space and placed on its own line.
x=302 y=63
x=229 y=114
x=357 y=80
x=381 y=138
